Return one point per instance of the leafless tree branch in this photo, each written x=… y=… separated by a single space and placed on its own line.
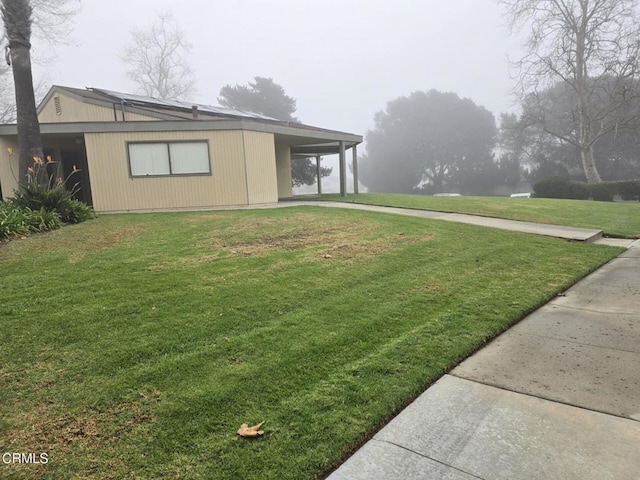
x=52 y=18
x=157 y=58
x=592 y=48
x=51 y=21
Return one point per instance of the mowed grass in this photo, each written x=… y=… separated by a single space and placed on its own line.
x=614 y=219
x=134 y=346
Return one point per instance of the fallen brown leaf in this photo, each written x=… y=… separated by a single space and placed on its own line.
x=249 y=432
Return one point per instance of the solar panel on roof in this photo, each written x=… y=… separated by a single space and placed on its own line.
x=128 y=97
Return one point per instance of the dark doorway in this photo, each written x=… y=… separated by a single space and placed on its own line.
x=70 y=156
x=76 y=158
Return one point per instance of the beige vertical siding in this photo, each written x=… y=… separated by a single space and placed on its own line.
x=8 y=166
x=114 y=190
x=262 y=183
x=72 y=110
x=283 y=166
x=136 y=117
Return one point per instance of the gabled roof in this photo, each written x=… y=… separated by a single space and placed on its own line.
x=153 y=107
x=305 y=140
x=168 y=109
x=173 y=105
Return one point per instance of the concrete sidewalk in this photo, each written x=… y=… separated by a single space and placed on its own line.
x=555 y=397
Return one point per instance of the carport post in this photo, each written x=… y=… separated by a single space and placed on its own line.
x=343 y=171
x=318 y=174
x=355 y=168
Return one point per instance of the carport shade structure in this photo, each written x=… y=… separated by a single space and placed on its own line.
x=333 y=148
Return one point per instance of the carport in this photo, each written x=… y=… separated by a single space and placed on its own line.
x=333 y=148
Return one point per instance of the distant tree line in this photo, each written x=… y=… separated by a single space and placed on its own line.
x=579 y=91
x=434 y=142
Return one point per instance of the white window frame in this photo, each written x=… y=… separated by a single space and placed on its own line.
x=171 y=162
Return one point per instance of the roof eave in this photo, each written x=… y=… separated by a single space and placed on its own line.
x=322 y=136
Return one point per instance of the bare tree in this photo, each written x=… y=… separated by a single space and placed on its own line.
x=591 y=47
x=51 y=19
x=7 y=92
x=158 y=60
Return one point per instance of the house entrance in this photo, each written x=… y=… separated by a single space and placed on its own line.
x=70 y=153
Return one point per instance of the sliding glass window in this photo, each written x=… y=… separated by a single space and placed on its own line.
x=169 y=158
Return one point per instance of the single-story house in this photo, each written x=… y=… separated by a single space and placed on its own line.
x=139 y=153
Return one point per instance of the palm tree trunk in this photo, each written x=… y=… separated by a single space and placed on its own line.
x=17 y=21
x=29 y=140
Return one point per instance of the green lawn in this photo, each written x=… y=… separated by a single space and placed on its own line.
x=134 y=346
x=614 y=219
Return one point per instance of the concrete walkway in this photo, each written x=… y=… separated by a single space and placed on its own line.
x=555 y=397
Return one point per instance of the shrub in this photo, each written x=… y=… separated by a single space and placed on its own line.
x=560 y=187
x=564 y=187
x=49 y=191
x=35 y=196
x=603 y=192
x=629 y=189
x=43 y=220
x=13 y=221
x=16 y=221
x=57 y=199
x=76 y=211
x=42 y=204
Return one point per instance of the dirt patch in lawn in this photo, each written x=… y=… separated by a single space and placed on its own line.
x=363 y=250
x=43 y=428
x=350 y=251
x=90 y=242
x=291 y=233
x=301 y=232
x=316 y=237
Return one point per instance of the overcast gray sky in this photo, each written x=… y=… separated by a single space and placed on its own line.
x=342 y=60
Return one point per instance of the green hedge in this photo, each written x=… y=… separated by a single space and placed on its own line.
x=564 y=187
x=629 y=189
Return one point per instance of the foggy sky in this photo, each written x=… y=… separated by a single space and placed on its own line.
x=342 y=60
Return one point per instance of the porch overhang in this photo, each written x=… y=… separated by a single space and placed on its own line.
x=318 y=149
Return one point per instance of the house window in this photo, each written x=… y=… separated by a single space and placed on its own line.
x=169 y=158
